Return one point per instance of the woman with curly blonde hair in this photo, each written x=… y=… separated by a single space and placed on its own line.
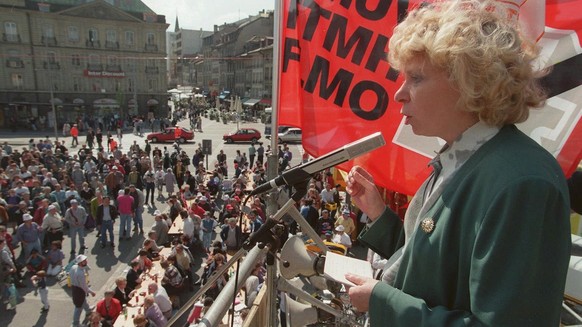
x=485 y=240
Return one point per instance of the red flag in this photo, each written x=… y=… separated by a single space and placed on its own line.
x=336 y=84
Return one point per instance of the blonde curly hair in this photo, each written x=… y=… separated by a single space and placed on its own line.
x=481 y=50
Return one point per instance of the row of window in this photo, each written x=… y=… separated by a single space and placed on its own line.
x=74 y=36
x=79 y=84
x=76 y=60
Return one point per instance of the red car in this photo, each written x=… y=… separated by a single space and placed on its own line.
x=242 y=135
x=172 y=134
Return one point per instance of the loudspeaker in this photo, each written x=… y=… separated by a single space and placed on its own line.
x=299 y=314
x=296 y=260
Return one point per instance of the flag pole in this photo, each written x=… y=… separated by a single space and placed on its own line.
x=272 y=158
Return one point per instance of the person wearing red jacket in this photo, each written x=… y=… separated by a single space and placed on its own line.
x=75 y=135
x=109 y=308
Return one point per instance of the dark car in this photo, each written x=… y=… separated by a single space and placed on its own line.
x=170 y=134
x=242 y=135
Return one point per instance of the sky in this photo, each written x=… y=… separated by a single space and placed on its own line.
x=196 y=14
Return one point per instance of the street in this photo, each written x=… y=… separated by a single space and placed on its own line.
x=107 y=264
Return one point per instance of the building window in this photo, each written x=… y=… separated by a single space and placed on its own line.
x=150 y=43
x=111 y=40
x=48 y=36
x=94 y=63
x=73 y=34
x=14 y=60
x=130 y=85
x=77 y=84
x=129 y=39
x=17 y=80
x=93 y=38
x=10 y=32
x=51 y=61
x=76 y=60
x=150 y=38
x=130 y=64
x=112 y=64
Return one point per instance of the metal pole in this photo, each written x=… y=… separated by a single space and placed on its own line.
x=206 y=286
x=217 y=311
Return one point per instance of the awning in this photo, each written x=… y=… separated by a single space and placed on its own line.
x=152 y=102
x=174 y=91
x=266 y=102
x=56 y=101
x=251 y=102
x=105 y=103
x=131 y=103
x=78 y=101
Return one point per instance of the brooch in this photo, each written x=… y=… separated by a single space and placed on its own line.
x=427 y=225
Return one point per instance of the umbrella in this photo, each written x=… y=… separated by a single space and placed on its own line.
x=174 y=91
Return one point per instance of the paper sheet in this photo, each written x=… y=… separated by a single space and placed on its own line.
x=337 y=266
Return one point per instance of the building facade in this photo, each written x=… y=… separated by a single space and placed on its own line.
x=238 y=57
x=91 y=60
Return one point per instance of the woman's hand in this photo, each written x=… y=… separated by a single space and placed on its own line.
x=361 y=293
x=360 y=185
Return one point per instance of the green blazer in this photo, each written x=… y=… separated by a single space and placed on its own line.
x=499 y=251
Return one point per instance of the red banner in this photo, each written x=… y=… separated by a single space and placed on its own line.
x=336 y=84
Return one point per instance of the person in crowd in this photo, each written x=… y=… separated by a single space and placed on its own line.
x=495 y=196
x=231 y=235
x=161 y=228
x=153 y=312
x=53 y=225
x=341 y=237
x=28 y=233
x=109 y=308
x=121 y=292
x=161 y=298
x=105 y=220
x=346 y=220
x=76 y=216
x=55 y=257
x=170 y=181
x=36 y=262
x=126 y=209
x=149 y=179
x=172 y=280
x=39 y=281
x=138 y=203
x=133 y=276
x=144 y=263
x=80 y=289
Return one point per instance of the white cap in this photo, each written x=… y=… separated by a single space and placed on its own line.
x=340 y=228
x=26 y=217
x=157 y=213
x=121 y=192
x=203 y=198
x=80 y=258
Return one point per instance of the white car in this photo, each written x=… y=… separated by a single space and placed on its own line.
x=290 y=135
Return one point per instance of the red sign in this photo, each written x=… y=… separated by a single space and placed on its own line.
x=336 y=84
x=103 y=74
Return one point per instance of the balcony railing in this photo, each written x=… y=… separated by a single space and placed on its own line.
x=152 y=70
x=48 y=40
x=14 y=63
x=151 y=47
x=11 y=38
x=93 y=44
x=51 y=65
x=111 y=44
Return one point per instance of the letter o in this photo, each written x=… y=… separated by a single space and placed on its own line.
x=381 y=103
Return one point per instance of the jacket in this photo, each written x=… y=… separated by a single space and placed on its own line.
x=498 y=253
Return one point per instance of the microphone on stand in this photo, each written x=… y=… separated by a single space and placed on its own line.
x=303 y=172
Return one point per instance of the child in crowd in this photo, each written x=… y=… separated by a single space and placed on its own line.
x=39 y=281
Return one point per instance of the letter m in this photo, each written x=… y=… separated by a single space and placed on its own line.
x=320 y=72
x=359 y=40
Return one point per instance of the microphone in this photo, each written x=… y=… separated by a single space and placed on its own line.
x=302 y=173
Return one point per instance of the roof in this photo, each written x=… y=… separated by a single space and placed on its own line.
x=135 y=6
